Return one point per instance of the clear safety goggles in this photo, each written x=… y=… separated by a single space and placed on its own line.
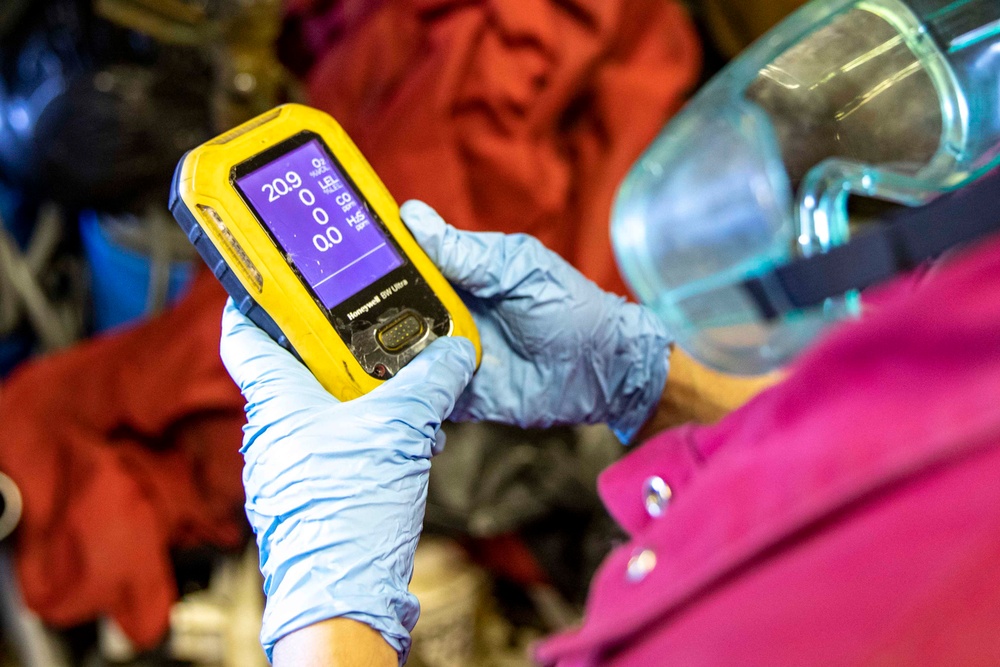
x=884 y=99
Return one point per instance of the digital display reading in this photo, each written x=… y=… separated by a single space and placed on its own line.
x=320 y=221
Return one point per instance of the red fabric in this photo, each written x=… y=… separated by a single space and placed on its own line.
x=505 y=115
x=507 y=556
x=850 y=515
x=124 y=447
x=509 y=115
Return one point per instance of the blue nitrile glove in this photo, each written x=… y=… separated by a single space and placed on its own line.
x=336 y=491
x=557 y=349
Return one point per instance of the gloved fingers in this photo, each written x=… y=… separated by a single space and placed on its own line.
x=263 y=369
x=463 y=258
x=428 y=386
x=439 y=441
x=484 y=264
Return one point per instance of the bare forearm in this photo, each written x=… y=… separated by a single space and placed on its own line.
x=695 y=393
x=338 y=642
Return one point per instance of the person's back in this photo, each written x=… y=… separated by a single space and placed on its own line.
x=849 y=515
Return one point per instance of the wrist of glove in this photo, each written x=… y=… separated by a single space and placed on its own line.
x=636 y=370
x=336 y=491
x=556 y=348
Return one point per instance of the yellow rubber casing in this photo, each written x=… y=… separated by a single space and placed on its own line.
x=204 y=186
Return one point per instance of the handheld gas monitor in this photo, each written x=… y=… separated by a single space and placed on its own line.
x=308 y=241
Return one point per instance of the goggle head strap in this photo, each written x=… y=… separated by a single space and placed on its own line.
x=902 y=241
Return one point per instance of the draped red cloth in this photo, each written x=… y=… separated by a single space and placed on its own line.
x=509 y=115
x=124 y=447
x=505 y=115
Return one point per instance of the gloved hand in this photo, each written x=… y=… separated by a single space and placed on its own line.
x=556 y=348
x=336 y=491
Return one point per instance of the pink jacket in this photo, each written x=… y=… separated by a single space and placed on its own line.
x=850 y=515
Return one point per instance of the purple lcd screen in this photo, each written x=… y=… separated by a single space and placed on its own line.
x=319 y=220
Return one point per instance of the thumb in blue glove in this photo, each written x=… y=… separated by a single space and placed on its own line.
x=336 y=491
x=557 y=349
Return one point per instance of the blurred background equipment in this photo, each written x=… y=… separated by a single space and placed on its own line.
x=236 y=36
x=733 y=26
x=97 y=103
x=92 y=114
x=126 y=445
x=136 y=267
x=217 y=626
x=525 y=504
x=451 y=592
x=39 y=288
